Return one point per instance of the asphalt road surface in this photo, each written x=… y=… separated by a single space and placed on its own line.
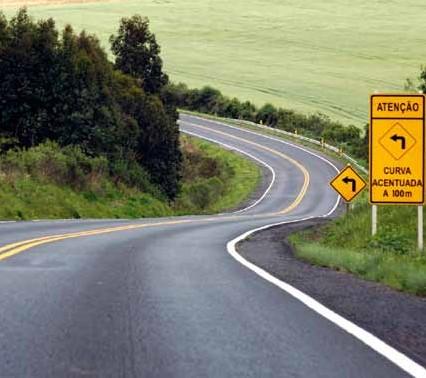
x=165 y=298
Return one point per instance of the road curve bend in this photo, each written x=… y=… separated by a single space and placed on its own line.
x=170 y=297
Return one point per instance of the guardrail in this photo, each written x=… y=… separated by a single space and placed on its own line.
x=327 y=146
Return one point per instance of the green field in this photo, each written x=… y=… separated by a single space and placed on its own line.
x=311 y=56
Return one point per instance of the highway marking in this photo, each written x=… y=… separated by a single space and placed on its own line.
x=250 y=156
x=393 y=355
x=18 y=247
x=271 y=138
x=372 y=341
x=306 y=177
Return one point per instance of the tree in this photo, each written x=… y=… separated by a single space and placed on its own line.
x=64 y=89
x=268 y=114
x=137 y=53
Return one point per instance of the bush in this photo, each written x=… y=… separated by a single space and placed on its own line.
x=49 y=163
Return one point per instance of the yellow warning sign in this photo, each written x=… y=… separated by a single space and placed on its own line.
x=397 y=149
x=348 y=183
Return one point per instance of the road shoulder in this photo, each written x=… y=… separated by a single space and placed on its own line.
x=396 y=318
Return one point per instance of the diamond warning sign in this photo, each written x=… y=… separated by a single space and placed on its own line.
x=348 y=183
x=397 y=141
x=397 y=149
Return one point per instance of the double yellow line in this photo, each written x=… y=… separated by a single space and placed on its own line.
x=306 y=177
x=13 y=249
x=10 y=250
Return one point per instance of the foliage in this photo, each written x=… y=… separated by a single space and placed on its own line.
x=137 y=53
x=258 y=51
x=317 y=126
x=48 y=181
x=213 y=179
x=64 y=89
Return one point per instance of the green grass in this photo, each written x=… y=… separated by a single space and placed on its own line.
x=309 y=56
x=236 y=179
x=33 y=185
x=27 y=199
x=346 y=244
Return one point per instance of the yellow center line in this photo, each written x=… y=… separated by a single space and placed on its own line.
x=306 y=177
x=13 y=249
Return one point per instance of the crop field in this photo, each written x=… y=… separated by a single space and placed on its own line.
x=310 y=56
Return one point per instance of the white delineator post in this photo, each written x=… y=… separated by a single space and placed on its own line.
x=373 y=220
x=420 y=227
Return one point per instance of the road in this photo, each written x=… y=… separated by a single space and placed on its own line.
x=169 y=297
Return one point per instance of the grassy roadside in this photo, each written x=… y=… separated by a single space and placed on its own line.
x=214 y=179
x=47 y=182
x=346 y=245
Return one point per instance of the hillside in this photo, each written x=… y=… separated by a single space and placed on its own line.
x=295 y=55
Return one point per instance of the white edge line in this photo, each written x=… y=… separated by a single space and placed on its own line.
x=393 y=355
x=279 y=141
x=399 y=359
x=250 y=156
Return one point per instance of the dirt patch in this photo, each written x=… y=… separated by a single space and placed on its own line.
x=398 y=319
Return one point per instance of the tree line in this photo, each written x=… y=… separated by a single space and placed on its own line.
x=60 y=86
x=212 y=101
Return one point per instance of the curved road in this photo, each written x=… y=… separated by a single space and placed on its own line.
x=164 y=298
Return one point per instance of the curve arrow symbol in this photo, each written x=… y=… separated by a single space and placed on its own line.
x=396 y=138
x=348 y=180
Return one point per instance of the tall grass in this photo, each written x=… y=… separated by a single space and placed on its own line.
x=391 y=257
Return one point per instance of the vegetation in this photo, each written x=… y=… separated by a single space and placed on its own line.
x=99 y=139
x=347 y=245
x=391 y=257
x=48 y=181
x=212 y=101
x=296 y=55
x=64 y=89
x=214 y=179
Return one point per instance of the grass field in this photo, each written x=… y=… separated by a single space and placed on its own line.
x=311 y=56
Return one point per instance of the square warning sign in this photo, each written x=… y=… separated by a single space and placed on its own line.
x=397 y=149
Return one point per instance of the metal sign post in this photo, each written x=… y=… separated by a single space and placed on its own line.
x=374 y=220
x=420 y=228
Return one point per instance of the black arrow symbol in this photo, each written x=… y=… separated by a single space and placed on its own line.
x=348 y=180
x=396 y=137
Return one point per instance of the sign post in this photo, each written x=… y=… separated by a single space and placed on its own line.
x=397 y=152
x=374 y=220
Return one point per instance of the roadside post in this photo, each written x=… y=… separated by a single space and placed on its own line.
x=348 y=184
x=397 y=153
